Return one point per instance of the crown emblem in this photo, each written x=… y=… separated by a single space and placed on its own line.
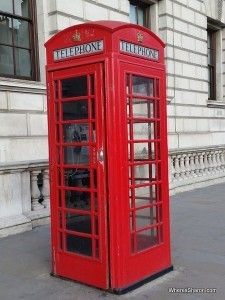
x=140 y=37
x=76 y=36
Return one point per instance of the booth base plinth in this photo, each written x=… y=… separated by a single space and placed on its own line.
x=126 y=289
x=142 y=282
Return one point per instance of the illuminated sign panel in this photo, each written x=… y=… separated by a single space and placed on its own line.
x=78 y=50
x=139 y=50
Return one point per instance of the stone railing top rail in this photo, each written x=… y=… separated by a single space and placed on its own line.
x=24 y=165
x=195 y=150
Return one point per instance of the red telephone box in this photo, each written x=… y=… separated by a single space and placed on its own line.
x=108 y=155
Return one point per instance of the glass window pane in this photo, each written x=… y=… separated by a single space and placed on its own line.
x=21 y=8
x=74 y=87
x=77 y=178
x=75 y=110
x=78 y=222
x=21 y=33
x=209 y=57
x=144 y=173
x=143 y=131
x=6 y=60
x=140 y=16
x=76 y=155
x=6 y=6
x=146 y=217
x=76 y=133
x=143 y=108
x=78 y=244
x=142 y=151
x=23 y=62
x=133 y=14
x=5 y=30
x=147 y=238
x=145 y=195
x=146 y=191
x=78 y=200
x=142 y=85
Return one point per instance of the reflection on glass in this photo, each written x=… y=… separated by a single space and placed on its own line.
x=76 y=155
x=146 y=217
x=74 y=87
x=143 y=108
x=5 y=30
x=140 y=13
x=21 y=33
x=146 y=195
x=77 y=178
x=143 y=173
x=147 y=239
x=142 y=151
x=6 y=6
x=78 y=244
x=21 y=8
x=23 y=62
x=142 y=85
x=78 y=222
x=75 y=133
x=133 y=15
x=78 y=200
x=148 y=192
x=75 y=110
x=6 y=60
x=143 y=131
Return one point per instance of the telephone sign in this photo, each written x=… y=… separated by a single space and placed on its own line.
x=139 y=50
x=108 y=155
x=89 y=48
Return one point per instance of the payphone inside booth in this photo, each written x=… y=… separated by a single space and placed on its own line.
x=108 y=155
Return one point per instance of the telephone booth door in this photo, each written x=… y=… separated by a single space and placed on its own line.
x=79 y=213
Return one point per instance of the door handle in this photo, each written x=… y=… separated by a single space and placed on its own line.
x=100 y=155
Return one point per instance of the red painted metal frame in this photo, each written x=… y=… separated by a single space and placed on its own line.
x=119 y=267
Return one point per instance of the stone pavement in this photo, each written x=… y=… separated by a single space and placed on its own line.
x=198 y=245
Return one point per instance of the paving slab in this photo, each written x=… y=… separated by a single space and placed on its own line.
x=198 y=249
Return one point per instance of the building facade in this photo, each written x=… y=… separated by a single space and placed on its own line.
x=194 y=33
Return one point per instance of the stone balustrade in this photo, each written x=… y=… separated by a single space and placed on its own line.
x=196 y=168
x=24 y=196
x=24 y=193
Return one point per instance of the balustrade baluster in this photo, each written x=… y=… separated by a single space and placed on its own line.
x=35 y=192
x=45 y=189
